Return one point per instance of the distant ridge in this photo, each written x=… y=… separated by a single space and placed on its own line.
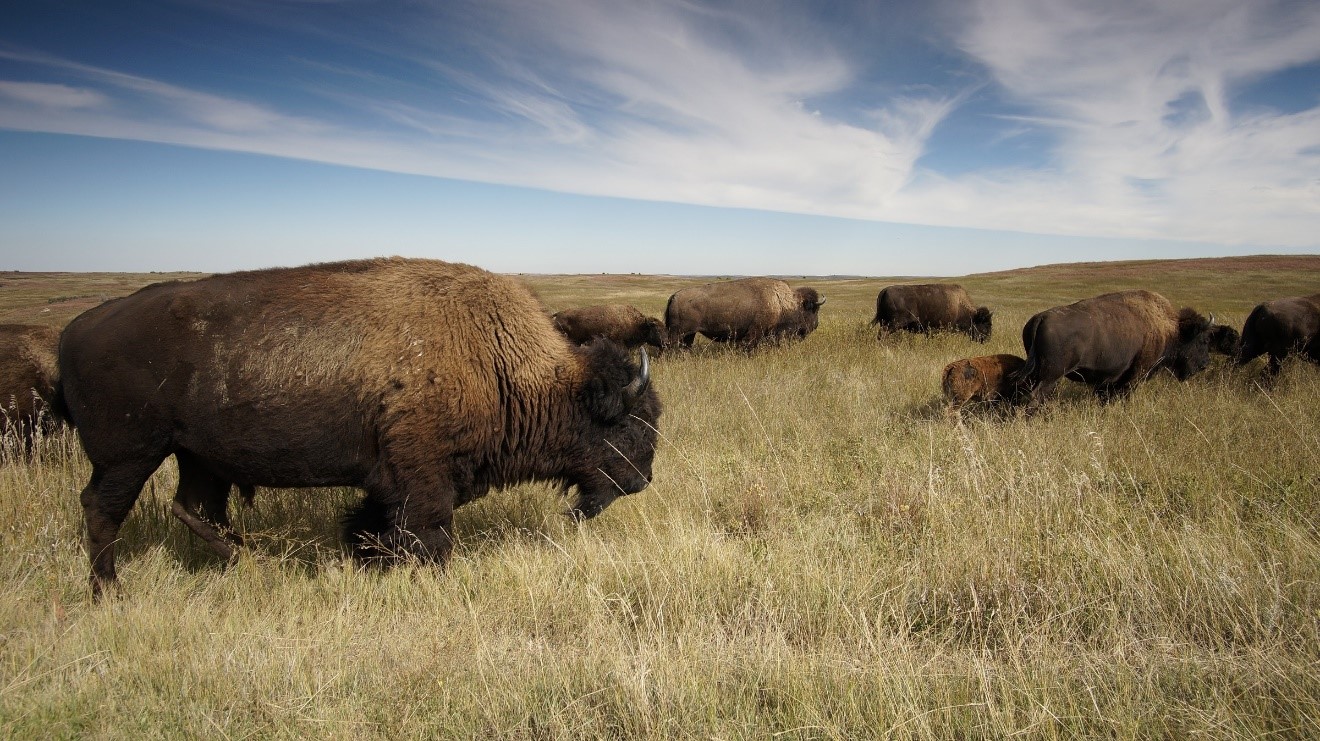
x=1126 y=268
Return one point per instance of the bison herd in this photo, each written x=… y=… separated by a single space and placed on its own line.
x=427 y=384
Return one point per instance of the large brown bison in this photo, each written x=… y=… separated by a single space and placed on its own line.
x=931 y=307
x=1280 y=328
x=1112 y=342
x=28 y=372
x=746 y=311
x=987 y=379
x=425 y=383
x=620 y=322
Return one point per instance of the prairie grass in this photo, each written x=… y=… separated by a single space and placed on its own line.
x=823 y=554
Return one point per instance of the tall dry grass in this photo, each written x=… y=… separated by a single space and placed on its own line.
x=823 y=554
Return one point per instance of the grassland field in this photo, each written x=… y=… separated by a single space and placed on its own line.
x=822 y=554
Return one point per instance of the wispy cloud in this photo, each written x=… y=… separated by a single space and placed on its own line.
x=1139 y=95
x=679 y=101
x=52 y=97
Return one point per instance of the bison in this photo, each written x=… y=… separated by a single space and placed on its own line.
x=1112 y=342
x=930 y=307
x=988 y=379
x=620 y=322
x=1282 y=327
x=746 y=311
x=422 y=382
x=28 y=373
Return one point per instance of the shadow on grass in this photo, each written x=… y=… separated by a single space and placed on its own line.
x=302 y=528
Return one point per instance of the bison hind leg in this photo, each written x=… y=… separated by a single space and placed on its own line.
x=106 y=500
x=202 y=503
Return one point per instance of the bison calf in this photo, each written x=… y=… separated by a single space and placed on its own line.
x=987 y=378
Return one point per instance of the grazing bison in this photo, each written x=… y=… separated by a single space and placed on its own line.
x=747 y=311
x=988 y=379
x=1224 y=340
x=931 y=307
x=620 y=322
x=28 y=373
x=1112 y=342
x=1282 y=327
x=425 y=383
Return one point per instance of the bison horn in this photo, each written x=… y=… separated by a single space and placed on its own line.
x=632 y=393
x=820 y=301
x=1212 y=320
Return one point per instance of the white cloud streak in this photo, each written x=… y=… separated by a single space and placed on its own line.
x=1138 y=92
x=673 y=101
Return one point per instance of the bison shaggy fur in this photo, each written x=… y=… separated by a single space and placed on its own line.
x=619 y=322
x=931 y=307
x=1280 y=328
x=747 y=311
x=422 y=382
x=986 y=379
x=28 y=374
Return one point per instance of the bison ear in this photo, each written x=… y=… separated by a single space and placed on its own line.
x=614 y=384
x=969 y=372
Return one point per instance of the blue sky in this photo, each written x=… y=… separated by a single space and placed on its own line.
x=877 y=138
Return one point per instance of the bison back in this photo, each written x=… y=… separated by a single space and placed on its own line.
x=298 y=376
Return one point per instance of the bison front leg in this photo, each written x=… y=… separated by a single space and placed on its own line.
x=391 y=526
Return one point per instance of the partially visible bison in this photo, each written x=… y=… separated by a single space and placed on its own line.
x=425 y=383
x=28 y=372
x=1224 y=339
x=1112 y=342
x=748 y=311
x=987 y=379
x=1280 y=328
x=931 y=307
x=619 y=322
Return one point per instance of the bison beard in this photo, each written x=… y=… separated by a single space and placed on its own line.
x=425 y=383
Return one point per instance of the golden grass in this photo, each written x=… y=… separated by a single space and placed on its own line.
x=822 y=555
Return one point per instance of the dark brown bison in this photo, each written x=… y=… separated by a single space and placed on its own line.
x=425 y=383
x=1224 y=340
x=986 y=379
x=28 y=372
x=1112 y=342
x=748 y=311
x=1280 y=328
x=931 y=307
x=620 y=322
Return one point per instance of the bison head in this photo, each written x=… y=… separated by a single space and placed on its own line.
x=1190 y=353
x=653 y=333
x=980 y=329
x=618 y=444
x=809 y=299
x=1224 y=339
